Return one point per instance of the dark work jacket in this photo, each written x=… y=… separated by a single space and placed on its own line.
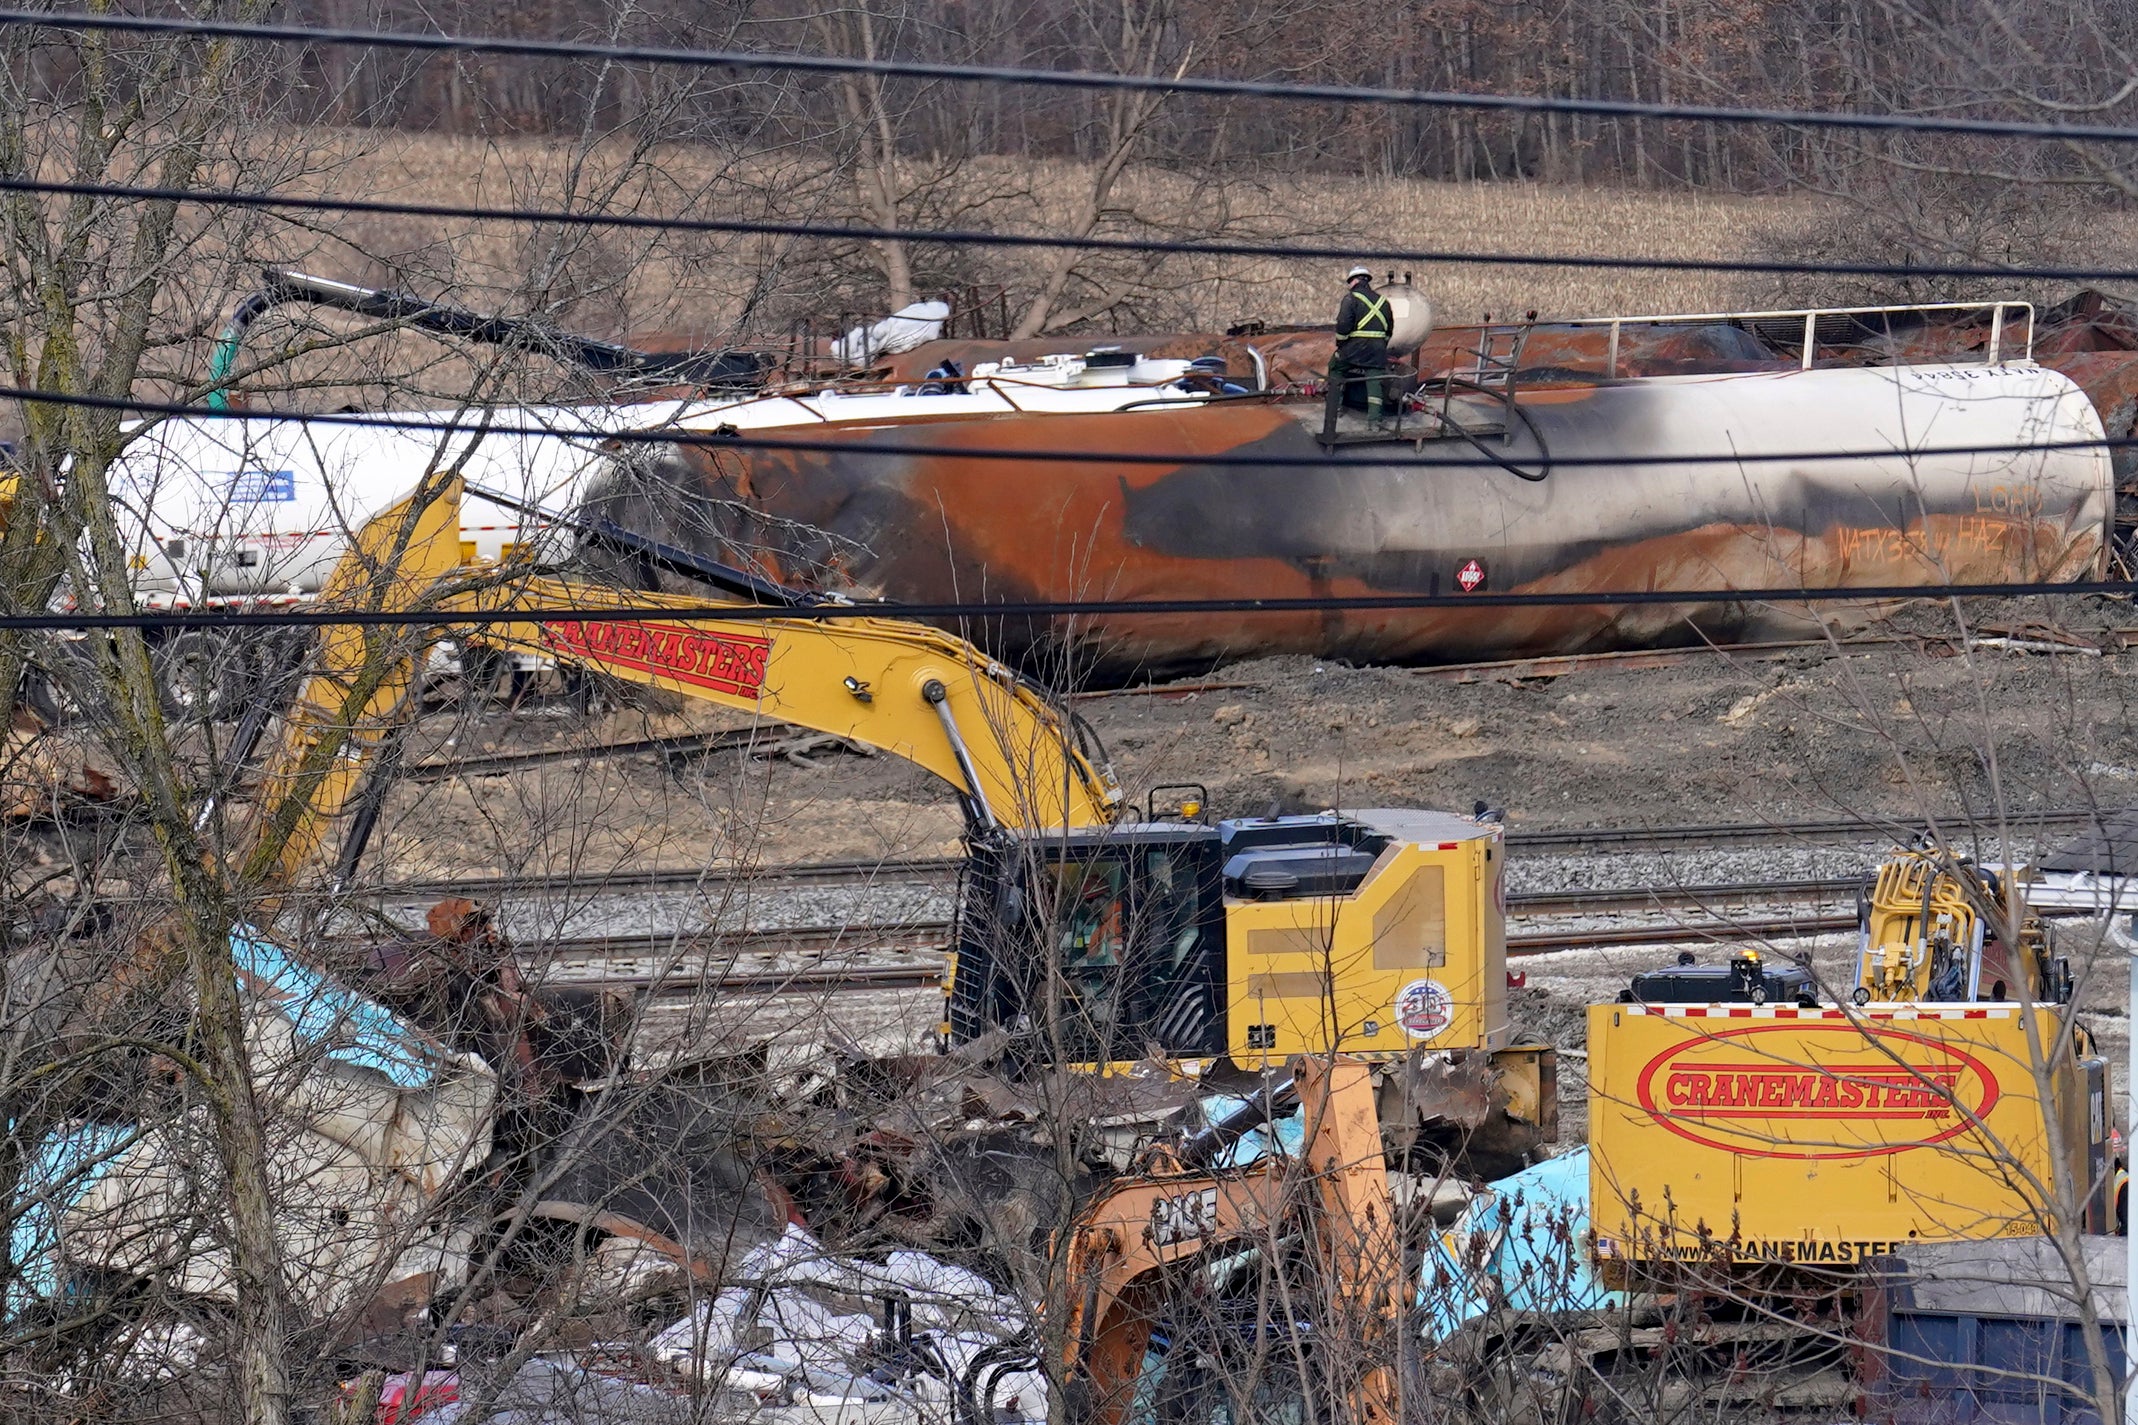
x=1363 y=310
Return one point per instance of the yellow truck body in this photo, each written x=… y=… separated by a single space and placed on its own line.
x=1823 y=1136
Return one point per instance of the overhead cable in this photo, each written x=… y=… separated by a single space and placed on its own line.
x=1216 y=247
x=1063 y=79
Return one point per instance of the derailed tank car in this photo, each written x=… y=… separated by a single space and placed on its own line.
x=1789 y=475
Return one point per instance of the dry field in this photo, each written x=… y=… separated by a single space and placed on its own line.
x=618 y=281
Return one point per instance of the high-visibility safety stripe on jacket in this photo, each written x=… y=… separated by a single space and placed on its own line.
x=1371 y=310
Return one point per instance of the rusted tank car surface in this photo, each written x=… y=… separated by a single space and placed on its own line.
x=1409 y=516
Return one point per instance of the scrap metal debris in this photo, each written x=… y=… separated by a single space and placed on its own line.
x=45 y=772
x=795 y=1333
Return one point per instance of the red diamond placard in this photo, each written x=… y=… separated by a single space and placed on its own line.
x=1471 y=577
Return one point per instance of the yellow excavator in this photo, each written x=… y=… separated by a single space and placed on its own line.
x=1097 y=938
x=1087 y=935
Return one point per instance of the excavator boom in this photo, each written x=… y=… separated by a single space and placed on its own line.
x=915 y=692
x=1006 y=747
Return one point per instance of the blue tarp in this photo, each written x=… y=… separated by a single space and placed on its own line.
x=1290 y=1131
x=1523 y=1244
x=64 y=1166
x=328 y=1017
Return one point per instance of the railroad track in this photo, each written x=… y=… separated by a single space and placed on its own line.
x=811 y=979
x=944 y=871
x=713 y=882
x=1716 y=931
x=594 y=967
x=1779 y=833
x=1616 y=900
x=801 y=959
x=771 y=739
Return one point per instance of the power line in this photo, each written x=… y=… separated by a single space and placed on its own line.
x=261 y=199
x=742 y=442
x=1049 y=608
x=1066 y=79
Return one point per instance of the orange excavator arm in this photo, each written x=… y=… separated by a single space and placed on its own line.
x=1115 y=1258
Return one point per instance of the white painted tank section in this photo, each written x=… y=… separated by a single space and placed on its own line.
x=2021 y=443
x=236 y=508
x=222 y=508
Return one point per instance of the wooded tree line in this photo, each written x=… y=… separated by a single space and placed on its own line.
x=2067 y=59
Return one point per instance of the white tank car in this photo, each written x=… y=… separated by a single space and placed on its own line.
x=218 y=512
x=230 y=512
x=225 y=510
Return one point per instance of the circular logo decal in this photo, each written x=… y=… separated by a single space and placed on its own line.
x=1424 y=1008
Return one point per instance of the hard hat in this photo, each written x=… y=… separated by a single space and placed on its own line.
x=1355 y=273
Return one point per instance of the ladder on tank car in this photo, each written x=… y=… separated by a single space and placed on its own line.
x=1499 y=359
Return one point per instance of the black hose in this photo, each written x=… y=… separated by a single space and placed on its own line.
x=1088 y=740
x=1264 y=1107
x=736 y=369
x=965 y=1401
x=1544 y=454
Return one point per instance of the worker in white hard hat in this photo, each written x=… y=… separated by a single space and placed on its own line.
x=1360 y=365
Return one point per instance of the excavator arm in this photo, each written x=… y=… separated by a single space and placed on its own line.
x=1116 y=1257
x=920 y=694
x=915 y=692
x=1930 y=932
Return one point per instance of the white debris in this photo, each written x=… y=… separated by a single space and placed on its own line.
x=816 y=1333
x=163 y=1349
x=904 y=329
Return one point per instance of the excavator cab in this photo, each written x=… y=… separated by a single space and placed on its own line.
x=1112 y=938
x=1376 y=933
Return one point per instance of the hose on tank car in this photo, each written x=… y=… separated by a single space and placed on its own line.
x=1544 y=454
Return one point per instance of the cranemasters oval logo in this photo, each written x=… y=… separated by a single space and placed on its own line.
x=1424 y=1008
x=1816 y=1091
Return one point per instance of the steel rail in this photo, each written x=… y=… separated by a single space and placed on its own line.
x=716 y=883
x=689 y=945
x=676 y=968
x=654 y=983
x=1773 y=832
x=1618 y=899
x=768 y=739
x=1678 y=932
x=500 y=764
x=1575 y=901
x=889 y=871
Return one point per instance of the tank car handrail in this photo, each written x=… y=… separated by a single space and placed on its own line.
x=1810 y=317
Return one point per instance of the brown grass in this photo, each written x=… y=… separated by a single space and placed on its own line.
x=716 y=288
x=646 y=282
